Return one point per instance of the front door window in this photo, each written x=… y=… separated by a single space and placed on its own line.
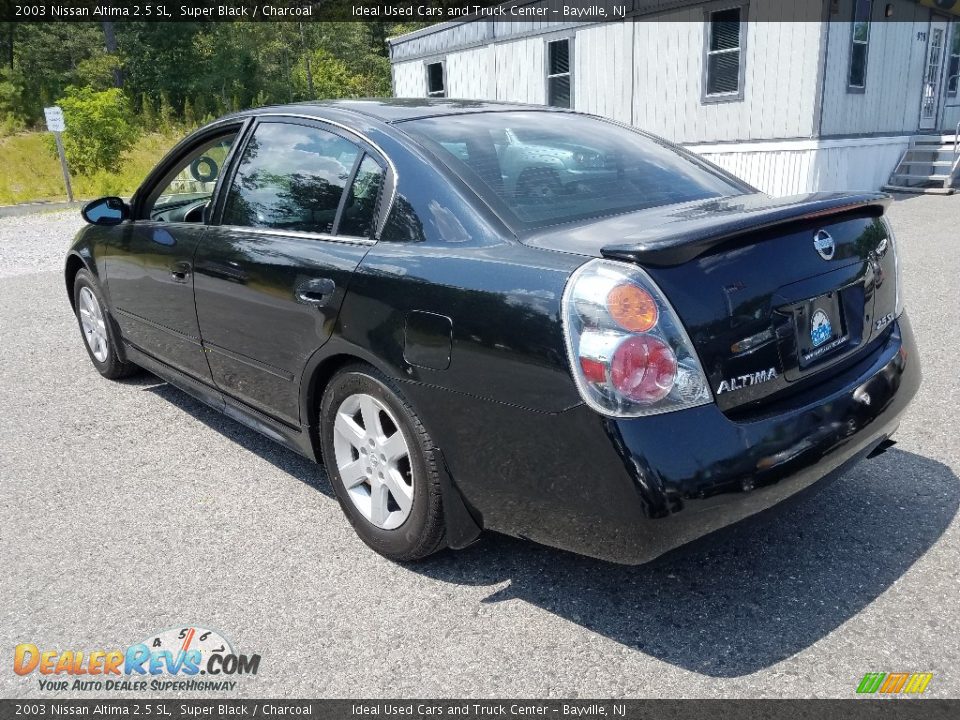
x=184 y=191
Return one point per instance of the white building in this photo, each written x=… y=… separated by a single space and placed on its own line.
x=791 y=95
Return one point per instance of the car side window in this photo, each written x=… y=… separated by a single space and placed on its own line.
x=290 y=177
x=360 y=207
x=182 y=193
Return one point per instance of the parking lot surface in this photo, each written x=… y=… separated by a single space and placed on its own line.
x=127 y=508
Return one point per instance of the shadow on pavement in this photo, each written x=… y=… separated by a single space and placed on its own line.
x=730 y=604
x=747 y=596
x=290 y=462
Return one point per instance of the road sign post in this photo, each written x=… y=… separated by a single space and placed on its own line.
x=56 y=125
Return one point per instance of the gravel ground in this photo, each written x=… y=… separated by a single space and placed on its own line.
x=127 y=508
x=35 y=243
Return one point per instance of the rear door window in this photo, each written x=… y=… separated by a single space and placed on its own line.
x=360 y=207
x=290 y=177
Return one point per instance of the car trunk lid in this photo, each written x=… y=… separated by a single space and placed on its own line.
x=772 y=291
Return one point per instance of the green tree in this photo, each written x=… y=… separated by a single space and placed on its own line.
x=49 y=56
x=189 y=115
x=331 y=78
x=166 y=115
x=99 y=71
x=148 y=113
x=215 y=66
x=14 y=109
x=98 y=128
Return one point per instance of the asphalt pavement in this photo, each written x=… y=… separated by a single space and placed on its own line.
x=128 y=508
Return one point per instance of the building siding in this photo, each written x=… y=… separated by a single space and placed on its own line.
x=796 y=127
x=519 y=72
x=951 y=110
x=440 y=40
x=779 y=90
x=857 y=164
x=409 y=79
x=951 y=116
x=801 y=166
x=890 y=101
x=603 y=71
x=649 y=74
x=470 y=74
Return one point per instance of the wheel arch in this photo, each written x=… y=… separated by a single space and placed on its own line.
x=74 y=265
x=464 y=524
x=316 y=380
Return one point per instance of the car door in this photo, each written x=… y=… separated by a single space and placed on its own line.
x=293 y=223
x=149 y=266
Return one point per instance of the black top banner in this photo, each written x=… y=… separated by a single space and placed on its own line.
x=423 y=11
x=271 y=10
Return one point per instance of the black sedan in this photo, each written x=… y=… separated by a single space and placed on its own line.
x=508 y=317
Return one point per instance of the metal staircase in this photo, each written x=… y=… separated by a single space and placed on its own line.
x=931 y=164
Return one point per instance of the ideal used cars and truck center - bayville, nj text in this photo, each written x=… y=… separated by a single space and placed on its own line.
x=358 y=11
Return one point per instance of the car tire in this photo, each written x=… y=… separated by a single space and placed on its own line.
x=366 y=466
x=537 y=184
x=97 y=329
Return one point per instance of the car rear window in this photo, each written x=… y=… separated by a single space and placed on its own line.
x=540 y=168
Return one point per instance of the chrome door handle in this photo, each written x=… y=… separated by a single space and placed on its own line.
x=180 y=271
x=315 y=292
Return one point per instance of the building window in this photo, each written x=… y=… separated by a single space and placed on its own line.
x=558 y=73
x=436 y=86
x=859 y=40
x=724 y=61
x=953 y=63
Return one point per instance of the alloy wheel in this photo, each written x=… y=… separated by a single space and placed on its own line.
x=374 y=461
x=93 y=324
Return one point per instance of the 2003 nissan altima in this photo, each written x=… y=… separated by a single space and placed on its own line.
x=507 y=317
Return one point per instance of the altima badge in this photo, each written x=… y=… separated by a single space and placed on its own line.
x=742 y=381
x=823 y=242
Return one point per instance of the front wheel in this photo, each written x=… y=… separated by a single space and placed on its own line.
x=380 y=462
x=97 y=329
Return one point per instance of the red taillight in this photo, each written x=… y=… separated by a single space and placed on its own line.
x=643 y=368
x=629 y=354
x=593 y=370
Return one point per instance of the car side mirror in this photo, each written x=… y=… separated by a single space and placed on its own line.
x=106 y=211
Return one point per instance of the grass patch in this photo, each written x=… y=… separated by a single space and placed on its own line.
x=30 y=170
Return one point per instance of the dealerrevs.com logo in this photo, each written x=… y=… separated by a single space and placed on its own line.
x=179 y=659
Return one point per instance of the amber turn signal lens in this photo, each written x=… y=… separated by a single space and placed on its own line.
x=633 y=308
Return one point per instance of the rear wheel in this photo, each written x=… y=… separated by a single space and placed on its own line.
x=96 y=327
x=380 y=462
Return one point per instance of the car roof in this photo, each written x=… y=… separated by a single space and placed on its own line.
x=394 y=110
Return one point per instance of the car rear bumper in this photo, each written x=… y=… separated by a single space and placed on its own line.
x=631 y=490
x=699 y=470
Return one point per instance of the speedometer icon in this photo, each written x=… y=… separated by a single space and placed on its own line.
x=184 y=639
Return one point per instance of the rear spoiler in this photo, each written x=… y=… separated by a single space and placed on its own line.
x=690 y=232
